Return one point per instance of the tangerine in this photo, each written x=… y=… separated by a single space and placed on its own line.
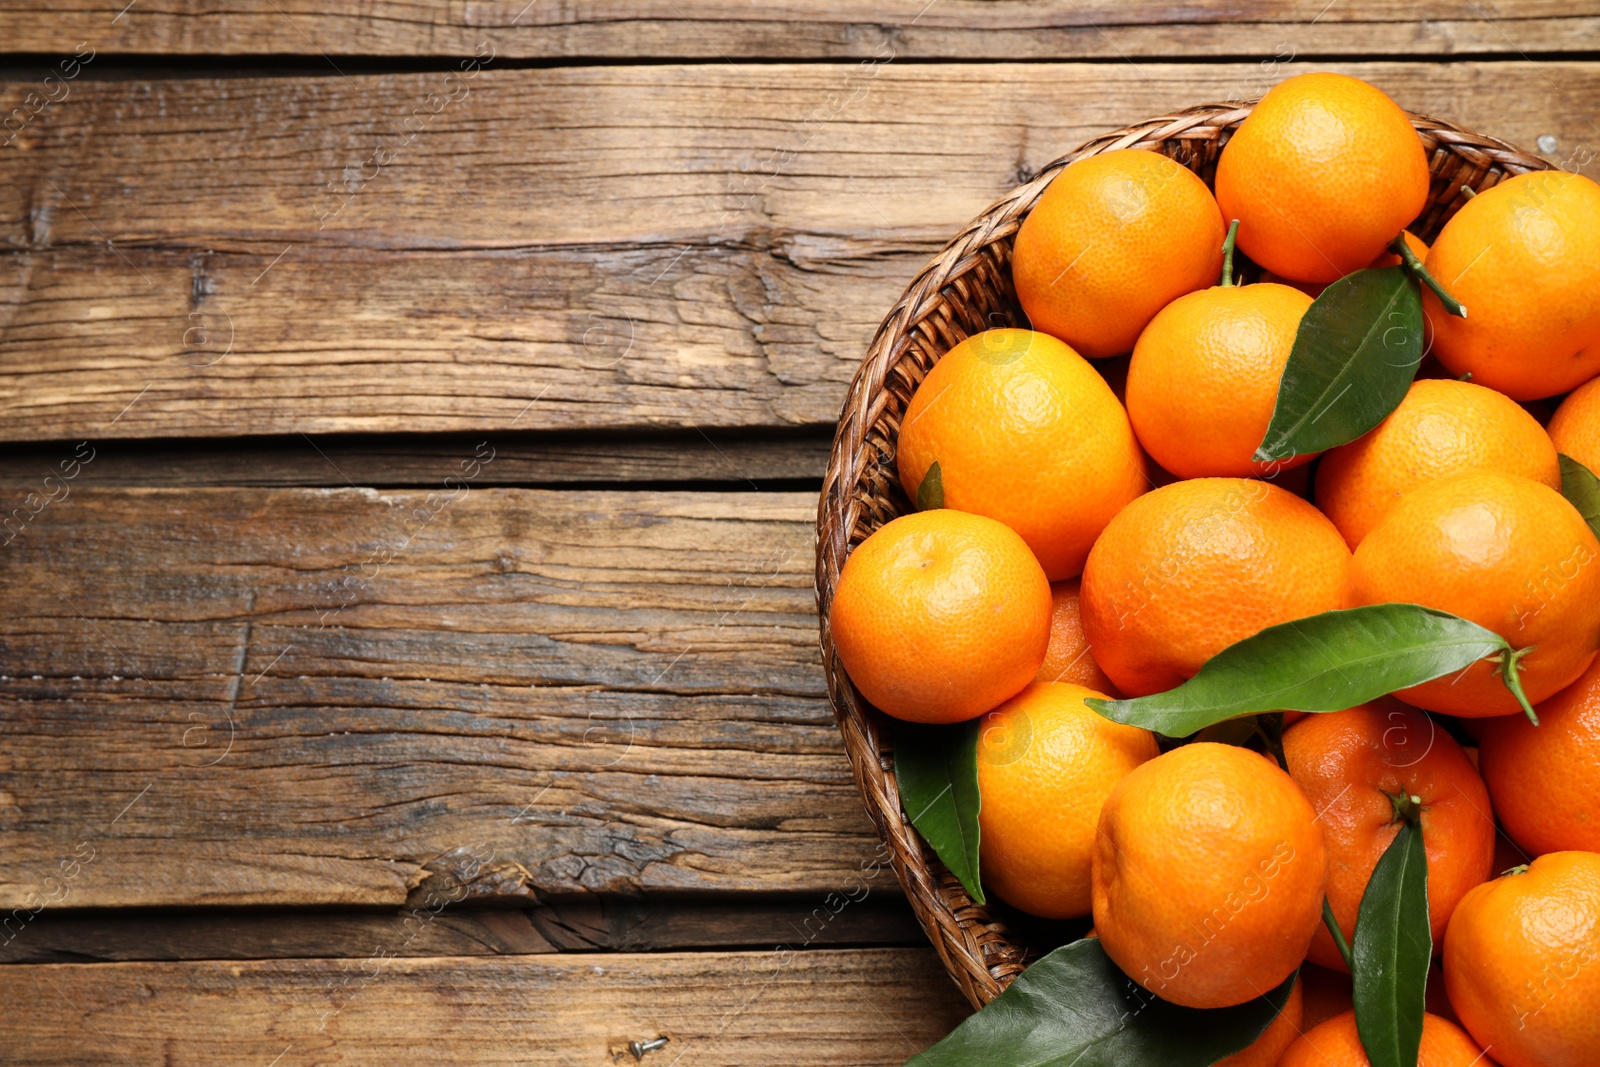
x=1337 y=1043
x=1188 y=569
x=1322 y=175
x=1113 y=239
x=1522 y=962
x=1026 y=432
x=1069 y=657
x=1046 y=762
x=1442 y=426
x=1505 y=552
x=1209 y=871
x=1366 y=768
x=1204 y=378
x=1525 y=260
x=941 y=615
x=1575 y=427
x=1545 y=779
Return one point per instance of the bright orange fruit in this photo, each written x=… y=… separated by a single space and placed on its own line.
x=1545 y=779
x=1188 y=569
x=1525 y=260
x=1442 y=426
x=1204 y=378
x=941 y=615
x=1024 y=431
x=1046 y=762
x=1114 y=238
x=1069 y=657
x=1322 y=175
x=1336 y=1043
x=1209 y=871
x=1360 y=768
x=1522 y=963
x=1504 y=552
x=1575 y=427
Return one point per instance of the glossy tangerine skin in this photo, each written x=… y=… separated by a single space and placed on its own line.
x=1545 y=779
x=1524 y=257
x=1024 y=431
x=1070 y=657
x=1442 y=426
x=1188 y=569
x=1322 y=175
x=1113 y=239
x=1209 y=872
x=1350 y=763
x=1575 y=427
x=1046 y=763
x=1337 y=1043
x=1522 y=962
x=1506 y=553
x=939 y=616
x=1204 y=378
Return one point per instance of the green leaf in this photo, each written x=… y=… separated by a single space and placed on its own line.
x=1325 y=662
x=937 y=771
x=1074 y=1008
x=1582 y=488
x=1391 y=950
x=1354 y=357
x=930 y=494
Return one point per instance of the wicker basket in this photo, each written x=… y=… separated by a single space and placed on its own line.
x=965 y=289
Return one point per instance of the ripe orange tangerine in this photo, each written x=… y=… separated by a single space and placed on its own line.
x=1024 y=431
x=1114 y=238
x=941 y=615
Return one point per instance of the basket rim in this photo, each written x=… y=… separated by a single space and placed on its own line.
x=975 y=946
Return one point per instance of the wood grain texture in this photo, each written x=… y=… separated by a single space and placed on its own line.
x=825 y=1007
x=355 y=697
x=717 y=29
x=590 y=925
x=707 y=460
x=575 y=248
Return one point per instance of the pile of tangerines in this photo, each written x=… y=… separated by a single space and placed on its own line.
x=1105 y=526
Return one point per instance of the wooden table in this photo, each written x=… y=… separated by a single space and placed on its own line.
x=412 y=416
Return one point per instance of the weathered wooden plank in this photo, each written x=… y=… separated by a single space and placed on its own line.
x=596 y=924
x=713 y=29
x=572 y=248
x=355 y=697
x=824 y=1007
x=707 y=460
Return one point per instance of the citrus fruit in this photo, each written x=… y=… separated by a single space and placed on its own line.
x=1188 y=569
x=1545 y=779
x=1026 y=432
x=1322 y=175
x=1279 y=1035
x=1575 y=427
x=1046 y=762
x=1361 y=769
x=1505 y=552
x=941 y=615
x=1336 y=1043
x=1524 y=257
x=1442 y=426
x=1204 y=378
x=1113 y=239
x=1069 y=657
x=1522 y=962
x=1209 y=870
